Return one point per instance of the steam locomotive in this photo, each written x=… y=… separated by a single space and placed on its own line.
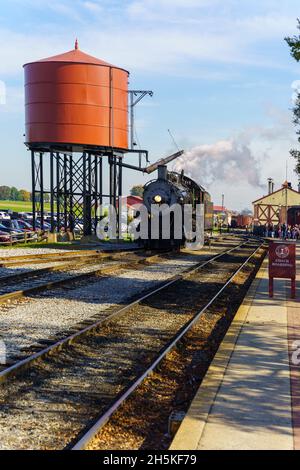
x=175 y=188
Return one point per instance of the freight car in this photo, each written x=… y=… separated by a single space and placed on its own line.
x=175 y=188
x=241 y=221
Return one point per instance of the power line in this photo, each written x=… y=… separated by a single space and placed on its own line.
x=174 y=141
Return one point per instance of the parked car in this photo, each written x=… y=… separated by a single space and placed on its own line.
x=4 y=228
x=4 y=215
x=25 y=226
x=4 y=237
x=45 y=226
x=26 y=215
x=11 y=224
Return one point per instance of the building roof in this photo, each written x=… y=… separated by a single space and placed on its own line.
x=220 y=209
x=283 y=188
x=133 y=200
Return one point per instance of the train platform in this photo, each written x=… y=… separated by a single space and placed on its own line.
x=250 y=396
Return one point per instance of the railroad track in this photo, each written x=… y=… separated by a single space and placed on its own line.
x=87 y=437
x=61 y=265
x=38 y=280
x=34 y=281
x=71 y=281
x=113 y=348
x=81 y=255
x=44 y=317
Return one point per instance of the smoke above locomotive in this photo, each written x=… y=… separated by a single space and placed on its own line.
x=229 y=160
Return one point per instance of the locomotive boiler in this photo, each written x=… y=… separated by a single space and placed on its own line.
x=169 y=189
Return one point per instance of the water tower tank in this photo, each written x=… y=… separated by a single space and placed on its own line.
x=76 y=99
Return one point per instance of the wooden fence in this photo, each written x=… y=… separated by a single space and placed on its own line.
x=25 y=237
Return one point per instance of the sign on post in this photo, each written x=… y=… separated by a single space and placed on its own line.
x=282 y=264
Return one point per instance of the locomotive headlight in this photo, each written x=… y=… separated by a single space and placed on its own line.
x=157 y=198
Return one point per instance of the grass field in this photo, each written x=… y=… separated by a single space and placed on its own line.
x=19 y=206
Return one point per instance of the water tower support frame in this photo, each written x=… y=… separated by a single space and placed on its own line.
x=72 y=183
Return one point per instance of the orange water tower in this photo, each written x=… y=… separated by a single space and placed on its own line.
x=74 y=99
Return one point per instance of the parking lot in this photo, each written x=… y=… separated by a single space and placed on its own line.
x=17 y=227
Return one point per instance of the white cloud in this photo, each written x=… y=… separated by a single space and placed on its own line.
x=93 y=7
x=155 y=7
x=66 y=10
x=194 y=42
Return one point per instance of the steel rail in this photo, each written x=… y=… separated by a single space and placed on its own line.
x=58 y=345
x=17 y=294
x=83 y=442
x=62 y=254
x=48 y=257
x=72 y=261
x=60 y=267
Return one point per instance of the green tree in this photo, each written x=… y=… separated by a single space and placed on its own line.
x=137 y=190
x=5 y=193
x=14 y=194
x=25 y=195
x=294 y=45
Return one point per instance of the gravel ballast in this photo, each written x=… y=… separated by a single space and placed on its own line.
x=45 y=315
x=57 y=397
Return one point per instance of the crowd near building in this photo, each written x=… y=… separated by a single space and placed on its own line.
x=277 y=214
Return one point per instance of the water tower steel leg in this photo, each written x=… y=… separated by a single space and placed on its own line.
x=89 y=195
x=33 y=189
x=52 y=192
x=71 y=215
x=65 y=192
x=111 y=179
x=41 y=171
x=115 y=182
x=84 y=193
x=100 y=181
x=120 y=190
x=96 y=196
x=115 y=191
x=120 y=183
x=58 y=191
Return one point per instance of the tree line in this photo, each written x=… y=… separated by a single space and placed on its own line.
x=12 y=193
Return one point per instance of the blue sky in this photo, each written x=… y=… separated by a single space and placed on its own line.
x=220 y=71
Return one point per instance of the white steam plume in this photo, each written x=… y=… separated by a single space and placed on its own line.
x=227 y=160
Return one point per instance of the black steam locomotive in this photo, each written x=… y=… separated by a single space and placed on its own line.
x=174 y=188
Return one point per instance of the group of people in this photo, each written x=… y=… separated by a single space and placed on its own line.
x=282 y=231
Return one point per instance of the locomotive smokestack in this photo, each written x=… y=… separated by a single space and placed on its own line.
x=270 y=186
x=162 y=172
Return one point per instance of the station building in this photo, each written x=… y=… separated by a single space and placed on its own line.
x=276 y=205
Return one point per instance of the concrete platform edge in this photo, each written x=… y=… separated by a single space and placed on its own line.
x=189 y=433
